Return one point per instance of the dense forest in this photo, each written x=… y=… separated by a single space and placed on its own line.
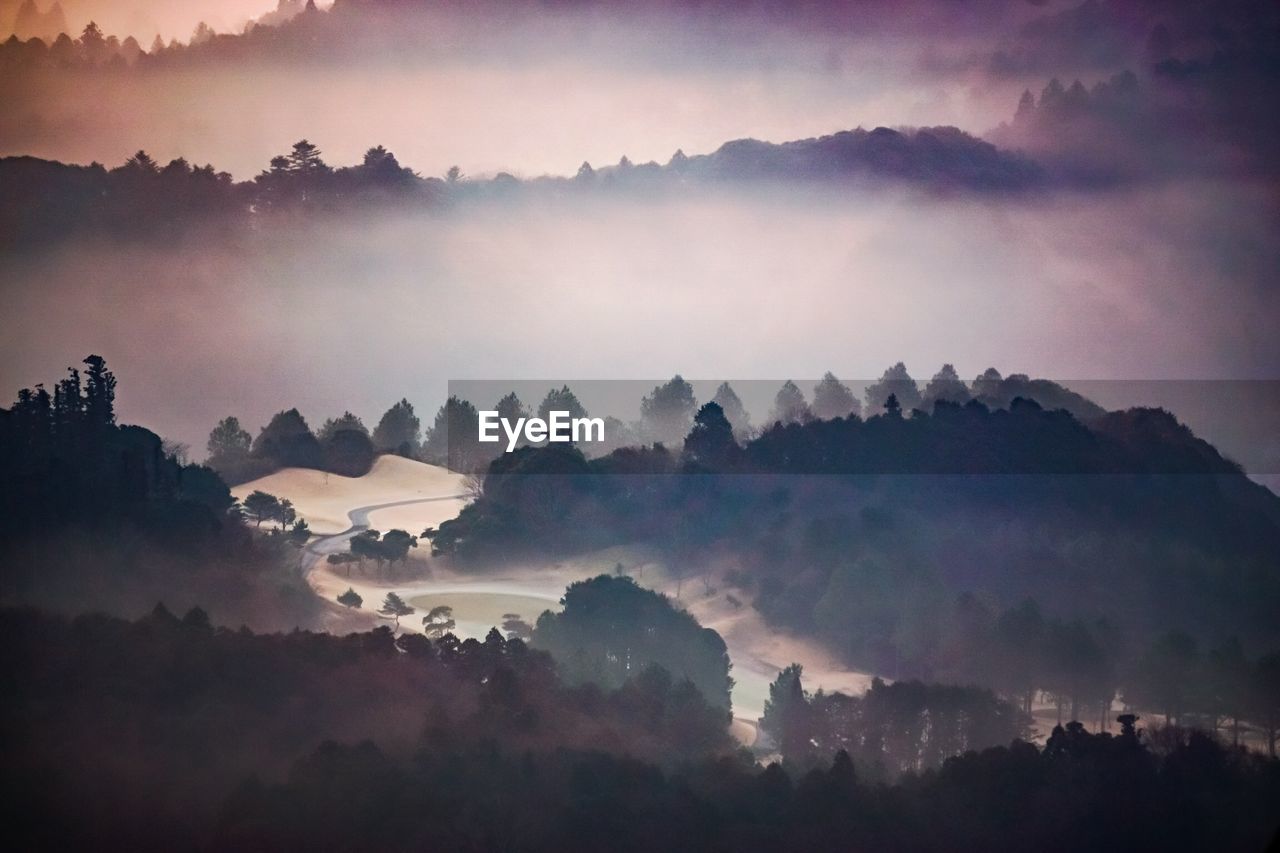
x=94 y=514
x=980 y=540
x=309 y=740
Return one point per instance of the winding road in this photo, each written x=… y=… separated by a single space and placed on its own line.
x=323 y=546
x=757 y=651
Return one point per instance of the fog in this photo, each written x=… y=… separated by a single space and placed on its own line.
x=356 y=313
x=535 y=97
x=543 y=120
x=144 y=19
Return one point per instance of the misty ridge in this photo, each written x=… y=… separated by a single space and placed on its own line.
x=47 y=201
x=1148 y=92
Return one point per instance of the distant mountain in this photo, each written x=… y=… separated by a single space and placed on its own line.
x=939 y=157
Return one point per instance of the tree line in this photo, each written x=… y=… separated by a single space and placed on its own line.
x=478 y=745
x=926 y=546
x=96 y=513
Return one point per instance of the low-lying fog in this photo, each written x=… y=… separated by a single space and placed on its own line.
x=359 y=312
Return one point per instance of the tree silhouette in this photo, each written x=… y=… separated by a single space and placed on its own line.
x=561 y=400
x=611 y=629
x=898 y=383
x=261 y=506
x=454 y=438
x=305 y=160
x=667 y=411
x=394 y=606
x=347 y=422
x=789 y=406
x=287 y=442
x=729 y=402
x=710 y=443
x=438 y=622
x=398 y=431
x=946 y=385
x=786 y=713
x=833 y=399
x=350 y=599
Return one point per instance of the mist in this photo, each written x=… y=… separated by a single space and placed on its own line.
x=534 y=98
x=357 y=312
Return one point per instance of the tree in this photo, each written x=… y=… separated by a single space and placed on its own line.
x=1227 y=685
x=946 y=385
x=1018 y=642
x=346 y=446
x=285 y=514
x=287 y=442
x=228 y=446
x=350 y=599
x=141 y=164
x=833 y=399
x=398 y=431
x=202 y=33
x=789 y=406
x=1163 y=677
x=393 y=606
x=346 y=423
x=986 y=386
x=305 y=160
x=786 y=714
x=898 y=383
x=727 y=399
x=380 y=167
x=667 y=411
x=261 y=506
x=561 y=400
x=515 y=627
x=510 y=408
x=438 y=622
x=1265 y=698
x=92 y=42
x=611 y=630
x=342 y=558
x=367 y=544
x=710 y=443
x=299 y=533
x=348 y=452
x=99 y=394
x=396 y=545
x=454 y=438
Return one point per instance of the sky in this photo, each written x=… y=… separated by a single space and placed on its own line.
x=1150 y=250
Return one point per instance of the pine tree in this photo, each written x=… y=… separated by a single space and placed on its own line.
x=100 y=393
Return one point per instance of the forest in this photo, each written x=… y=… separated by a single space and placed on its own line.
x=99 y=515
x=408 y=743
x=896 y=582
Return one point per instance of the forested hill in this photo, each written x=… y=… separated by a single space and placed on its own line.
x=866 y=532
x=103 y=516
x=45 y=201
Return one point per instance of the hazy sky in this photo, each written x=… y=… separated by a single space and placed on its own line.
x=1165 y=269
x=144 y=19
x=748 y=285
